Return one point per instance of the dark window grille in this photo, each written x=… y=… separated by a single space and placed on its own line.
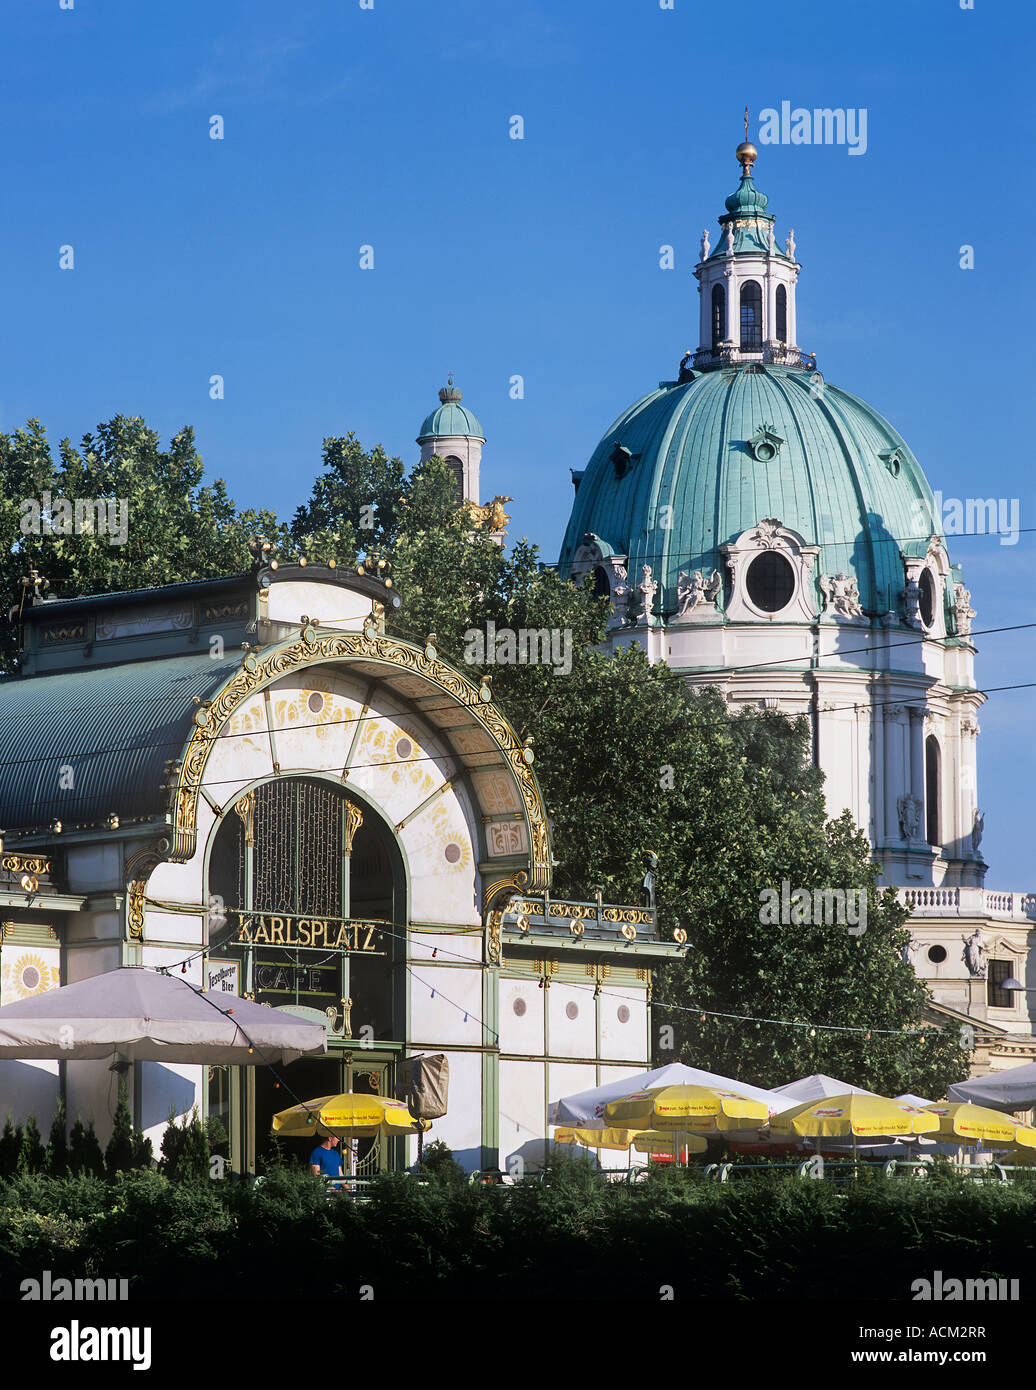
x=751 y=317
x=298 y=833
x=782 y=314
x=719 y=315
x=770 y=582
x=996 y=996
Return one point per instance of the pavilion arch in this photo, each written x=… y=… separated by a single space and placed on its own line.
x=474 y=753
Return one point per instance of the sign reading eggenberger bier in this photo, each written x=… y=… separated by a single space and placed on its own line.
x=318 y=933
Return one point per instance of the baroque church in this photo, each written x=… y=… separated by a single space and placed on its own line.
x=273 y=797
x=761 y=529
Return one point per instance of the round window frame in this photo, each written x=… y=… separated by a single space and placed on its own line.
x=750 y=602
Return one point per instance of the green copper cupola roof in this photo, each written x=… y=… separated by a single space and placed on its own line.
x=451 y=418
x=746 y=213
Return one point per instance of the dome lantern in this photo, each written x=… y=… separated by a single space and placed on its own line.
x=746 y=282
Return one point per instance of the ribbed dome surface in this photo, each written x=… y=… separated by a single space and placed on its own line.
x=692 y=452
x=450 y=419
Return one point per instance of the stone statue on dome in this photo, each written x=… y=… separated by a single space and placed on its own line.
x=771 y=245
x=974 y=954
x=909 y=808
x=841 y=595
x=963 y=609
x=789 y=244
x=647 y=587
x=730 y=238
x=695 y=589
x=704 y=243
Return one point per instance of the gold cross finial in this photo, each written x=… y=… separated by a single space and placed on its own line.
x=746 y=125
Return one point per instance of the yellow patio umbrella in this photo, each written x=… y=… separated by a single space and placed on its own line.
x=348 y=1115
x=1025 y=1137
x=645 y=1141
x=974 y=1124
x=861 y=1116
x=596 y=1138
x=686 y=1109
x=653 y=1141
x=853 y=1115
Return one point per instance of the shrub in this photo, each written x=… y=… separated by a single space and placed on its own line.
x=185 y=1150
x=57 y=1145
x=10 y=1147
x=84 y=1150
x=440 y=1165
x=118 y=1156
x=32 y=1154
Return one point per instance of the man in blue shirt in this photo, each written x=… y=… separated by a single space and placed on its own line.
x=325 y=1159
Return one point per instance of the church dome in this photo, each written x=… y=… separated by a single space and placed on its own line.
x=690 y=467
x=451 y=418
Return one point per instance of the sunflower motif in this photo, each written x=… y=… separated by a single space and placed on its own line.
x=28 y=975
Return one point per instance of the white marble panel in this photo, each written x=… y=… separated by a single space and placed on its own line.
x=521 y=1016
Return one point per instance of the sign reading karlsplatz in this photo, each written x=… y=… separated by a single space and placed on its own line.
x=317 y=933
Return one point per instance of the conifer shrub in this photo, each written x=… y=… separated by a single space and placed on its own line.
x=185 y=1150
x=32 y=1154
x=84 y=1150
x=10 y=1147
x=56 y=1165
x=118 y=1156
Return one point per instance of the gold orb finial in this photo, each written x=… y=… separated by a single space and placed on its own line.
x=746 y=154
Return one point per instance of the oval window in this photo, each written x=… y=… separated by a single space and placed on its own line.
x=937 y=954
x=927 y=598
x=770 y=582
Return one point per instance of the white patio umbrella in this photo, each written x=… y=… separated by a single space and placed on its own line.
x=1009 y=1090
x=585 y=1109
x=133 y=1014
x=816 y=1087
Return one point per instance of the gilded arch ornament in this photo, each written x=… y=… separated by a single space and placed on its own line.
x=259 y=670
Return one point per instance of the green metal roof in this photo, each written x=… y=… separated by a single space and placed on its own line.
x=448 y=419
x=746 y=209
x=842 y=477
x=114 y=727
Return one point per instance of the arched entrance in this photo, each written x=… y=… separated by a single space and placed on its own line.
x=307 y=894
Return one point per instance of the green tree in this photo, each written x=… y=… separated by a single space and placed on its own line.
x=185 y=1149
x=352 y=505
x=118 y=1156
x=84 y=1154
x=31 y=1155
x=10 y=1147
x=57 y=1144
x=176 y=527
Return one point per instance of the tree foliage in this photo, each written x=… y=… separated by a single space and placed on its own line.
x=177 y=527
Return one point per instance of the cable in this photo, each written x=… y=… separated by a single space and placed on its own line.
x=600 y=990
x=419 y=711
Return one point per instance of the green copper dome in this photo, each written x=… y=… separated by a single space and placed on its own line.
x=688 y=468
x=451 y=418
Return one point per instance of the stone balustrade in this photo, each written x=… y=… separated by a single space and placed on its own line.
x=971 y=902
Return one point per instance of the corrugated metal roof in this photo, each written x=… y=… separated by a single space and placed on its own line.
x=108 y=730
x=829 y=481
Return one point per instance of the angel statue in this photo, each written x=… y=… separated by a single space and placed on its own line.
x=695 y=589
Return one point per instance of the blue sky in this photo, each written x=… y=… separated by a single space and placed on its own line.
x=539 y=257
